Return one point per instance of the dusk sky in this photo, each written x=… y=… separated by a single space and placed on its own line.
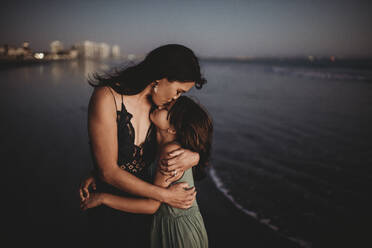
x=210 y=28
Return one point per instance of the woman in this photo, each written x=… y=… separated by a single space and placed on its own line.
x=186 y=124
x=123 y=140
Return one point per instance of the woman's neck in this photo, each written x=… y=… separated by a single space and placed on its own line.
x=164 y=137
x=141 y=97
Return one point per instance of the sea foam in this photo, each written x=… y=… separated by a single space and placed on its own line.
x=265 y=221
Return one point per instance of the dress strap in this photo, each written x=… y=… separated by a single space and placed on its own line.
x=116 y=106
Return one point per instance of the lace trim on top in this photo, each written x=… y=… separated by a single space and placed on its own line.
x=136 y=163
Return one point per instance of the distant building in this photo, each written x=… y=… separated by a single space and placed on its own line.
x=12 y=52
x=86 y=49
x=93 y=50
x=26 y=45
x=3 y=50
x=16 y=51
x=56 y=46
x=115 y=51
x=103 y=51
x=73 y=53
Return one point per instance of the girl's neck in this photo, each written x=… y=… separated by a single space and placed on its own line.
x=164 y=137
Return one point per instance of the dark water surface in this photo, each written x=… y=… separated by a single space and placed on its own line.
x=292 y=150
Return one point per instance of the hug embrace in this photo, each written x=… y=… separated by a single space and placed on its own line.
x=148 y=144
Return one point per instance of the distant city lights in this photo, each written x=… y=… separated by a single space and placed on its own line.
x=39 y=55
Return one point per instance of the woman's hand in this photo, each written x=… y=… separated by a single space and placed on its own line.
x=94 y=200
x=90 y=181
x=180 y=195
x=178 y=161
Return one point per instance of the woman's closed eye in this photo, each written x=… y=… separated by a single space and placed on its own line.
x=180 y=92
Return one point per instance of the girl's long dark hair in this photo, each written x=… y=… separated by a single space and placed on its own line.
x=194 y=130
x=173 y=62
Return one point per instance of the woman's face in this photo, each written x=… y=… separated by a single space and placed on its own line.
x=167 y=92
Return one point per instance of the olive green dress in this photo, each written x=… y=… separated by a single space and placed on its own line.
x=178 y=228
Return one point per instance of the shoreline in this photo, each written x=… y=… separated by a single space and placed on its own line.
x=228 y=226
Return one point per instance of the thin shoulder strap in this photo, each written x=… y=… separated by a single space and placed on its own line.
x=116 y=106
x=122 y=102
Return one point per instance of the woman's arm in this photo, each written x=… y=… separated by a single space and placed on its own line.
x=178 y=159
x=104 y=144
x=141 y=206
x=132 y=205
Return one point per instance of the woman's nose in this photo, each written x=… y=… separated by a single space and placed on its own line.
x=176 y=96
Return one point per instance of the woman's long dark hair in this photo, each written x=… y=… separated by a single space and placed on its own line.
x=194 y=130
x=173 y=62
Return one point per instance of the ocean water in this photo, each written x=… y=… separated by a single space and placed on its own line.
x=292 y=146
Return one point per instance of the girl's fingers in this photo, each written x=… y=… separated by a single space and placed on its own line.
x=86 y=192
x=81 y=194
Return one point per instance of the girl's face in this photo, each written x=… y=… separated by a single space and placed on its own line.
x=159 y=118
x=166 y=92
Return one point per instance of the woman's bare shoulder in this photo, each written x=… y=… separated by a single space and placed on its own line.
x=102 y=96
x=102 y=101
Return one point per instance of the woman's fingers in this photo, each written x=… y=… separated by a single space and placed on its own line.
x=183 y=185
x=176 y=152
x=170 y=162
x=172 y=157
x=164 y=170
x=191 y=197
x=174 y=167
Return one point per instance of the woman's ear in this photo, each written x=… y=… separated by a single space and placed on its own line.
x=171 y=131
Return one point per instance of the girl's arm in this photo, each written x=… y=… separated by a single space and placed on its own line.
x=130 y=205
x=102 y=129
x=142 y=206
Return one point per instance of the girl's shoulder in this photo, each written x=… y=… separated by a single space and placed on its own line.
x=171 y=146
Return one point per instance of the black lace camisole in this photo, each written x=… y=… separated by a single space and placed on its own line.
x=132 y=158
x=117 y=226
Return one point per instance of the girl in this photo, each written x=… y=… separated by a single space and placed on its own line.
x=187 y=125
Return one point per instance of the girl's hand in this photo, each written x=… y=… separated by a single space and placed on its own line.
x=178 y=161
x=90 y=181
x=94 y=200
x=181 y=196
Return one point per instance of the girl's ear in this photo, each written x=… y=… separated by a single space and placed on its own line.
x=171 y=131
